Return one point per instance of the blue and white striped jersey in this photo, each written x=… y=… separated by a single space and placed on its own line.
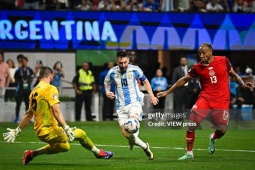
x=126 y=86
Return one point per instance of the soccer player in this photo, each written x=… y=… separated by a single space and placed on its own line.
x=44 y=106
x=213 y=72
x=129 y=98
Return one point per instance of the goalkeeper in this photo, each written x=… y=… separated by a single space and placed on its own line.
x=44 y=106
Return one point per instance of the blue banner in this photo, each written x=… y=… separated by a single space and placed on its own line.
x=71 y=30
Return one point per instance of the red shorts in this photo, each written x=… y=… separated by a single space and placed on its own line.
x=216 y=112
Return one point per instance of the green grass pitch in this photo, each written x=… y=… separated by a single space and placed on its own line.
x=236 y=150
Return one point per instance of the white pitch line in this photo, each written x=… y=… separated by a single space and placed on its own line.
x=155 y=147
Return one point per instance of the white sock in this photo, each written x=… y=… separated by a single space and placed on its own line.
x=190 y=152
x=95 y=150
x=211 y=136
x=139 y=142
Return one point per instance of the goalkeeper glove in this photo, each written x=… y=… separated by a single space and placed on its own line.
x=69 y=132
x=11 y=135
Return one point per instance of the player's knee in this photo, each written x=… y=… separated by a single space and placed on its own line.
x=64 y=147
x=79 y=134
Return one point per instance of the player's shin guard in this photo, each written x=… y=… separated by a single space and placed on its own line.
x=218 y=134
x=190 y=137
x=84 y=140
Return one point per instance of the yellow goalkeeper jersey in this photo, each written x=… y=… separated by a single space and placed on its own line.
x=41 y=99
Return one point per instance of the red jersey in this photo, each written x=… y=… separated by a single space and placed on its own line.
x=213 y=78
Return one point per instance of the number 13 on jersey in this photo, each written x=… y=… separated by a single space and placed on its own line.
x=213 y=79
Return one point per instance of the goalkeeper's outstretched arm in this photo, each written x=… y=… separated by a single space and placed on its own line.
x=26 y=119
x=11 y=135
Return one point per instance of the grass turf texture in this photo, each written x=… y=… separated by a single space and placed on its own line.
x=236 y=150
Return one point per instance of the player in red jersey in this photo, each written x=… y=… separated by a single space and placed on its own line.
x=212 y=72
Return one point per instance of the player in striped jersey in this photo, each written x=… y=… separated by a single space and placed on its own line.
x=129 y=98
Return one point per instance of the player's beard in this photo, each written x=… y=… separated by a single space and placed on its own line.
x=122 y=69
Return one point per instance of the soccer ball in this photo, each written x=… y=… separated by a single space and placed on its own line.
x=131 y=125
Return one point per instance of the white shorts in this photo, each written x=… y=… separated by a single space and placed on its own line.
x=133 y=109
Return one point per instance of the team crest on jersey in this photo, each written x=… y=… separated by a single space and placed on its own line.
x=117 y=76
x=129 y=75
x=211 y=73
x=55 y=97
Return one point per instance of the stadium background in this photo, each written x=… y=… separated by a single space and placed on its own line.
x=236 y=37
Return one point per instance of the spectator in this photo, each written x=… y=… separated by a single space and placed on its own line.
x=62 y=4
x=23 y=77
x=85 y=5
x=131 y=5
x=84 y=85
x=239 y=6
x=248 y=71
x=38 y=66
x=106 y=5
x=168 y=5
x=232 y=86
x=197 y=6
x=95 y=4
x=108 y=104
x=250 y=6
x=227 y=4
x=181 y=5
x=158 y=84
x=214 y=6
x=244 y=96
x=238 y=70
x=150 y=6
x=10 y=93
x=31 y=4
x=4 y=74
x=183 y=95
x=58 y=74
x=19 y=59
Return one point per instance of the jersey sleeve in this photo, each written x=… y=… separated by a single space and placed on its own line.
x=52 y=96
x=192 y=72
x=107 y=79
x=140 y=74
x=229 y=66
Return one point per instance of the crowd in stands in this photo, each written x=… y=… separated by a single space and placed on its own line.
x=240 y=6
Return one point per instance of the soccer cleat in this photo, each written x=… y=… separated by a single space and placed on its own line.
x=28 y=156
x=186 y=156
x=211 y=147
x=148 y=152
x=131 y=142
x=104 y=154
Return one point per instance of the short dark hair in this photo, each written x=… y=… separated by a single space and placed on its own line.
x=122 y=54
x=45 y=72
x=19 y=56
x=208 y=45
x=25 y=58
